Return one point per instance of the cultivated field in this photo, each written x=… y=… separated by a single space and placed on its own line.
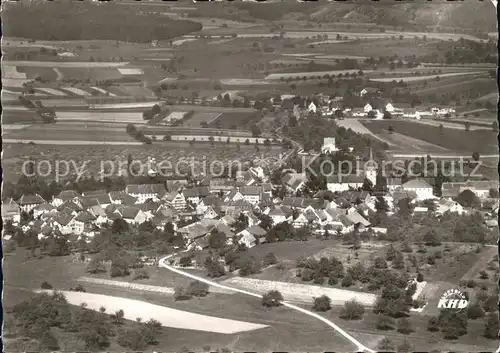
x=423 y=78
x=64 y=64
x=481 y=141
x=76 y=91
x=92 y=116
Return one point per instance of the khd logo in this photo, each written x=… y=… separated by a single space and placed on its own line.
x=453 y=299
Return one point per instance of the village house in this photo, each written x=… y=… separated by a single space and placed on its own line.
x=480 y=187
x=100 y=215
x=196 y=194
x=445 y=205
x=393 y=183
x=328 y=145
x=122 y=198
x=29 y=202
x=11 y=211
x=63 y=223
x=294 y=182
x=339 y=183
x=246 y=178
x=79 y=222
x=143 y=192
x=63 y=196
x=130 y=214
x=175 y=199
x=221 y=185
x=312 y=107
x=43 y=208
x=233 y=195
x=252 y=194
x=367 y=108
x=251 y=236
x=421 y=187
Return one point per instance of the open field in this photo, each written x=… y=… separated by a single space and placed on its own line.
x=481 y=141
x=166 y=316
x=235 y=120
x=53 y=92
x=311 y=74
x=76 y=91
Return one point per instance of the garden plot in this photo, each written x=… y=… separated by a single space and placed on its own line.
x=173 y=116
x=53 y=92
x=166 y=316
x=301 y=292
x=130 y=71
x=113 y=117
x=181 y=41
x=64 y=103
x=90 y=73
x=106 y=93
x=200 y=118
x=77 y=91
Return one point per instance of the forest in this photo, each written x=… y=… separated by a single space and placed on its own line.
x=48 y=20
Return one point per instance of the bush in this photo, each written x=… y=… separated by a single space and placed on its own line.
x=272 y=298
x=181 y=293
x=385 y=323
x=471 y=283
x=347 y=281
x=352 y=310
x=269 y=259
x=332 y=280
x=483 y=275
x=79 y=288
x=141 y=274
x=46 y=285
x=475 y=311
x=185 y=261
x=306 y=274
x=433 y=324
x=420 y=277
x=385 y=345
x=95 y=267
x=322 y=303
x=404 y=326
x=197 y=289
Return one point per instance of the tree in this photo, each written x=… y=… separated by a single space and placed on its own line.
x=272 y=298
x=420 y=277
x=474 y=311
x=475 y=156
x=404 y=326
x=95 y=266
x=391 y=129
x=352 y=310
x=404 y=347
x=384 y=323
x=390 y=253
x=433 y=324
x=399 y=261
x=269 y=259
x=387 y=115
x=467 y=126
x=491 y=326
x=431 y=238
x=323 y=303
x=494 y=126
x=197 y=289
x=46 y=285
x=141 y=274
x=379 y=263
x=255 y=130
x=468 y=198
x=48 y=342
x=347 y=281
x=385 y=345
x=216 y=239
x=150 y=331
x=494 y=193
x=181 y=293
x=211 y=139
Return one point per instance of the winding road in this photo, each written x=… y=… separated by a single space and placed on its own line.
x=360 y=347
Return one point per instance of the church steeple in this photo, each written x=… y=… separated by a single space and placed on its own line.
x=371 y=169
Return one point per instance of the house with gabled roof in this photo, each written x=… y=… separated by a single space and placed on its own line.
x=279 y=214
x=63 y=222
x=228 y=220
x=339 y=183
x=63 y=196
x=218 y=185
x=196 y=194
x=122 y=198
x=421 y=187
x=29 y=202
x=251 y=236
x=245 y=178
x=233 y=195
x=11 y=211
x=99 y=213
x=175 y=199
x=143 y=192
x=446 y=205
x=78 y=223
x=480 y=187
x=451 y=190
x=252 y=194
x=42 y=208
x=393 y=183
x=130 y=214
x=294 y=181
x=210 y=213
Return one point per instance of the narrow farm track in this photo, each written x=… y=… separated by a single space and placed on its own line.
x=360 y=347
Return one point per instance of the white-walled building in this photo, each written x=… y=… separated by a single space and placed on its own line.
x=422 y=188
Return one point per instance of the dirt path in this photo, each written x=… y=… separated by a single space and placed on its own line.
x=360 y=347
x=482 y=263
